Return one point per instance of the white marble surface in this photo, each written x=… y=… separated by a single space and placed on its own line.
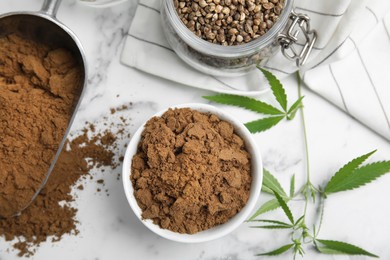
x=108 y=228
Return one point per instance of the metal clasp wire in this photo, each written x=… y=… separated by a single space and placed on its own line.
x=288 y=41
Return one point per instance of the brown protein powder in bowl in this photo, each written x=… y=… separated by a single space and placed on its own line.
x=191 y=172
x=38 y=89
x=229 y=22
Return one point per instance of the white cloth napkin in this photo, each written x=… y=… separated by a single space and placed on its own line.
x=349 y=65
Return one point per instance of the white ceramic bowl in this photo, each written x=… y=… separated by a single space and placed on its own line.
x=217 y=231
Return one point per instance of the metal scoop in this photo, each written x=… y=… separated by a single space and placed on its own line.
x=43 y=27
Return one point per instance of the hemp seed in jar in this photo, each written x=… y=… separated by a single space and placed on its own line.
x=229 y=22
x=225 y=37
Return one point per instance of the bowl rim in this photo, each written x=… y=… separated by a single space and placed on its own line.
x=219 y=230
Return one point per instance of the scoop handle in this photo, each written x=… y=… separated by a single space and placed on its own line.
x=50 y=7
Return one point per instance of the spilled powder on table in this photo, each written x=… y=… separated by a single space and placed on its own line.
x=45 y=219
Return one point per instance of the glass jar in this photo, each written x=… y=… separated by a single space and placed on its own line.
x=101 y=3
x=219 y=60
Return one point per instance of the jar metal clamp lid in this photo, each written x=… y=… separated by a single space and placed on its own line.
x=290 y=38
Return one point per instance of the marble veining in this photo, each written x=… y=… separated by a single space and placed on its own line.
x=109 y=229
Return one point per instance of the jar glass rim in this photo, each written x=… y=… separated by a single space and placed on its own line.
x=213 y=49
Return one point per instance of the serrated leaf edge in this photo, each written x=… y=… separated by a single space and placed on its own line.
x=272 y=227
x=357 y=173
x=254 y=129
x=276 y=87
x=292 y=186
x=328 y=242
x=285 y=208
x=345 y=171
x=261 y=210
x=268 y=178
x=267 y=108
x=278 y=251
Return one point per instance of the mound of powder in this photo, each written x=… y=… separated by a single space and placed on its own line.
x=51 y=216
x=38 y=91
x=191 y=171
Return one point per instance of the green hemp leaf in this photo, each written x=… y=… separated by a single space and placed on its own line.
x=272 y=224
x=277 y=88
x=268 y=206
x=245 y=102
x=263 y=124
x=284 y=206
x=292 y=186
x=351 y=176
x=275 y=115
x=270 y=184
x=278 y=251
x=336 y=247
